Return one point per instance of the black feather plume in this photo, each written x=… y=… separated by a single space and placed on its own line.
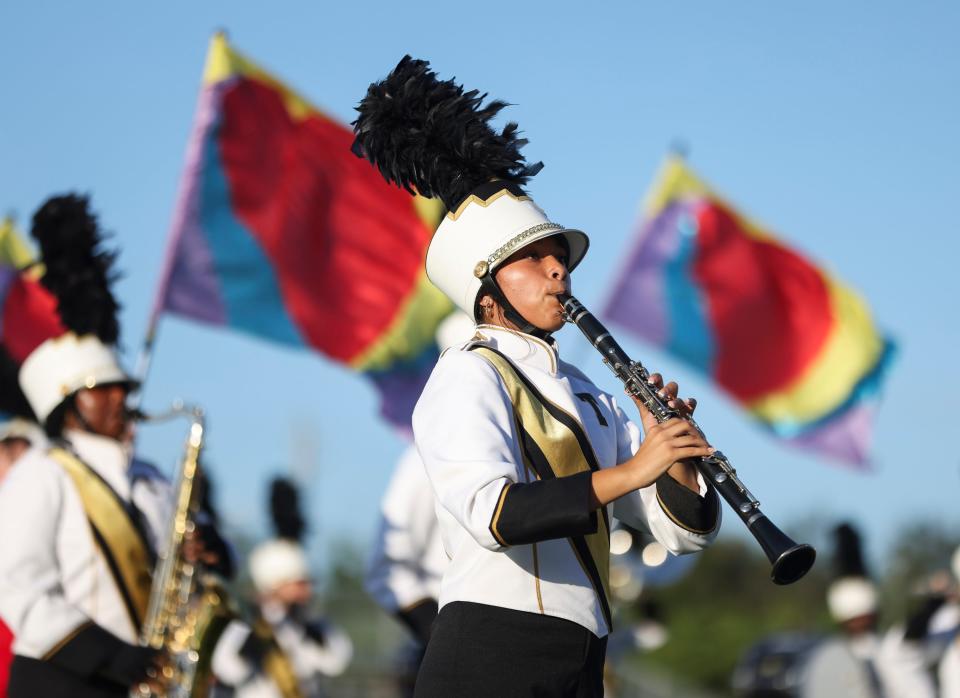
x=428 y=135
x=78 y=270
x=13 y=403
x=849 y=561
x=285 y=509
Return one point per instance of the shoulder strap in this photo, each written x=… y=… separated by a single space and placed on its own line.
x=117 y=537
x=276 y=664
x=554 y=444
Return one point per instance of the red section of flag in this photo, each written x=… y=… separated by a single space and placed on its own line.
x=769 y=308
x=29 y=316
x=346 y=248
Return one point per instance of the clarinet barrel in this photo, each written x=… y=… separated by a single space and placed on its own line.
x=790 y=560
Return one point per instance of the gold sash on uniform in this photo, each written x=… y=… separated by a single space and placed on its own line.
x=564 y=450
x=276 y=664
x=119 y=541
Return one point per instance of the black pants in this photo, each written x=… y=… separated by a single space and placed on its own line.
x=480 y=651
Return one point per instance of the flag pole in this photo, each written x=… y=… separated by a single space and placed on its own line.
x=183 y=210
x=144 y=359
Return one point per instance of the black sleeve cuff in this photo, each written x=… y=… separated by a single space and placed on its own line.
x=84 y=651
x=918 y=622
x=686 y=508
x=419 y=618
x=90 y=650
x=254 y=649
x=530 y=512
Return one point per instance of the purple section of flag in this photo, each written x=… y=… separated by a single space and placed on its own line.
x=190 y=286
x=400 y=387
x=638 y=301
x=846 y=437
x=7 y=277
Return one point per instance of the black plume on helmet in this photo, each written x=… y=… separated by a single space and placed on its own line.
x=849 y=561
x=428 y=135
x=79 y=271
x=285 y=511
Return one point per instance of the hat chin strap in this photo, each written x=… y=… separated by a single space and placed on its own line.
x=489 y=285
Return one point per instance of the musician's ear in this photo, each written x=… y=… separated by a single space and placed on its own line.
x=483 y=310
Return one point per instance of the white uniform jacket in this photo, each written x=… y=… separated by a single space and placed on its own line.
x=313 y=651
x=408 y=558
x=466 y=434
x=54 y=582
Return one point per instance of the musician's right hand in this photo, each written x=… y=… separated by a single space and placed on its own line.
x=665 y=445
x=132 y=664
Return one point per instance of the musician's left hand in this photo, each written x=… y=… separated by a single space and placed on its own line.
x=669 y=392
x=684 y=472
x=195 y=550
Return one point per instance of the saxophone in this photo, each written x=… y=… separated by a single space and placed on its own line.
x=188 y=607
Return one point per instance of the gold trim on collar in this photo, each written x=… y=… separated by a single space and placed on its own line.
x=474 y=199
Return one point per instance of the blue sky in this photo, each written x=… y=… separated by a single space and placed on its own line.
x=835 y=124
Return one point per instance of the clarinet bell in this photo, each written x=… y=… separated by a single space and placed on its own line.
x=791 y=560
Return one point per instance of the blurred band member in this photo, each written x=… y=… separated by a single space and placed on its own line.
x=404 y=573
x=948 y=670
x=860 y=659
x=80 y=521
x=408 y=559
x=17 y=435
x=287 y=651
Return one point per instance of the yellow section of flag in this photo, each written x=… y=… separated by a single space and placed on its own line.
x=14 y=251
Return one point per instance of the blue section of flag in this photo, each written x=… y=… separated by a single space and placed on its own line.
x=248 y=286
x=688 y=335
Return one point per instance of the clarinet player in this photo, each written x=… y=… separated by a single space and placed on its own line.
x=526 y=456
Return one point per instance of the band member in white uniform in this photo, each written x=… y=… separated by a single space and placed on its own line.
x=861 y=661
x=408 y=559
x=18 y=433
x=17 y=436
x=948 y=667
x=80 y=521
x=287 y=651
x=524 y=453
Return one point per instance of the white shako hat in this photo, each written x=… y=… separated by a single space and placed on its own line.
x=491 y=224
x=851 y=594
x=20 y=428
x=431 y=137
x=73 y=350
x=278 y=562
x=63 y=365
x=282 y=559
x=851 y=597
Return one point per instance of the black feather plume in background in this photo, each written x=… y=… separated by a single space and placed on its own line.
x=428 y=135
x=848 y=560
x=288 y=521
x=78 y=270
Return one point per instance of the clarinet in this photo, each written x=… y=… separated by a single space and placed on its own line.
x=790 y=560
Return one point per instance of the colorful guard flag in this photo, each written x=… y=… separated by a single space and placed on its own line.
x=282 y=233
x=28 y=315
x=788 y=341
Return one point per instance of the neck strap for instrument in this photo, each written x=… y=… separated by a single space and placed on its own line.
x=117 y=536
